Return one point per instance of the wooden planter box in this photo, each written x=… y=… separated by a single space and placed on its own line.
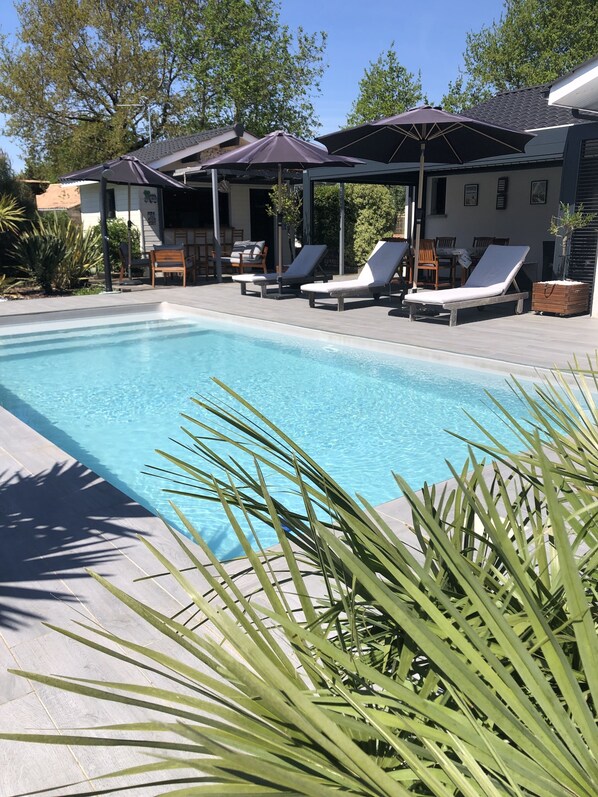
x=560 y=297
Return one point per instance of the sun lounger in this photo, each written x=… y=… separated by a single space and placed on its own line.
x=489 y=283
x=373 y=279
x=299 y=272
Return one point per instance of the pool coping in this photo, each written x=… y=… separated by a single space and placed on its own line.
x=164 y=307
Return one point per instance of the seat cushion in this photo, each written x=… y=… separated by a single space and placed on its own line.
x=250 y=250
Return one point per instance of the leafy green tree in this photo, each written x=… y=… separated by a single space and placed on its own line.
x=82 y=81
x=386 y=89
x=534 y=42
x=79 y=76
x=242 y=65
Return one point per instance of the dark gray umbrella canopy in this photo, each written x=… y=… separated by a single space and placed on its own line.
x=448 y=138
x=421 y=134
x=278 y=149
x=125 y=170
x=283 y=151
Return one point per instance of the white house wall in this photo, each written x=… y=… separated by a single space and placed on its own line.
x=521 y=222
x=146 y=210
x=240 y=214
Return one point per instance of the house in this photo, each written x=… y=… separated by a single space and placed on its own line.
x=512 y=196
x=58 y=197
x=162 y=214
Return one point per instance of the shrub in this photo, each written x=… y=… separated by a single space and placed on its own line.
x=118 y=232
x=39 y=254
x=83 y=255
x=11 y=214
x=56 y=252
x=22 y=197
x=461 y=662
x=375 y=216
x=370 y=214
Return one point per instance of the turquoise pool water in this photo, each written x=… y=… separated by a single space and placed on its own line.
x=110 y=395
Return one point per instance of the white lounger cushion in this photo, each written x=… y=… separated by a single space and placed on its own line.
x=302 y=266
x=377 y=272
x=491 y=277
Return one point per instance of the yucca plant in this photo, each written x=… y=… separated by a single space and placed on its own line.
x=56 y=252
x=83 y=254
x=11 y=214
x=457 y=660
x=39 y=254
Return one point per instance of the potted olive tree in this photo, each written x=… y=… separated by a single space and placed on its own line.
x=562 y=295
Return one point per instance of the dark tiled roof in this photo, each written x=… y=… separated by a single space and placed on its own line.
x=170 y=146
x=522 y=109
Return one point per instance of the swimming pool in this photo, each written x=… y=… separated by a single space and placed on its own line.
x=110 y=394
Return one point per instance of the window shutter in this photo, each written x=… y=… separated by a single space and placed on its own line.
x=584 y=243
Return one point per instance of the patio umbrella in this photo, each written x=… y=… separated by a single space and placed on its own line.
x=278 y=150
x=425 y=133
x=125 y=170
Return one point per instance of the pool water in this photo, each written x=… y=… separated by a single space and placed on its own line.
x=110 y=395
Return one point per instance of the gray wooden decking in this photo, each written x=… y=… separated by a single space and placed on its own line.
x=57 y=518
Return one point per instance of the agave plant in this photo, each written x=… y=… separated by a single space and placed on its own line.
x=457 y=661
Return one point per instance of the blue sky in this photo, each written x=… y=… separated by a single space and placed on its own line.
x=428 y=37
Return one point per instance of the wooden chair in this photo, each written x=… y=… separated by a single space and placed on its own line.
x=171 y=260
x=501 y=241
x=446 y=242
x=479 y=246
x=136 y=262
x=201 y=254
x=428 y=262
x=238 y=234
x=448 y=261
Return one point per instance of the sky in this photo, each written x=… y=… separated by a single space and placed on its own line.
x=429 y=37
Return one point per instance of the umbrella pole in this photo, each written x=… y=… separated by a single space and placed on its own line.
x=418 y=213
x=341 y=231
x=216 y=210
x=129 y=229
x=104 y=230
x=279 y=220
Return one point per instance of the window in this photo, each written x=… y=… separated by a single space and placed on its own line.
x=438 y=199
x=193 y=208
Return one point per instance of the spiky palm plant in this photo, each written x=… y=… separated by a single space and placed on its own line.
x=459 y=661
x=11 y=214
